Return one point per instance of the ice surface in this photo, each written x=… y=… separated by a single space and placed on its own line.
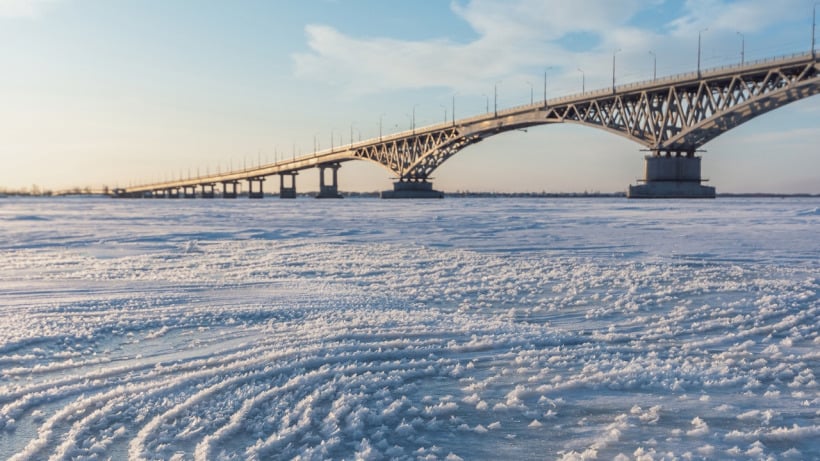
x=368 y=329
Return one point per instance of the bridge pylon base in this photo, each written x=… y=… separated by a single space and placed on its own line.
x=406 y=189
x=668 y=176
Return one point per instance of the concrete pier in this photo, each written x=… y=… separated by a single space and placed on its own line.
x=412 y=189
x=330 y=190
x=252 y=193
x=672 y=176
x=189 y=191
x=229 y=192
x=207 y=190
x=287 y=191
x=173 y=192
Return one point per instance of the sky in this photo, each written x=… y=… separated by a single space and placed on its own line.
x=126 y=92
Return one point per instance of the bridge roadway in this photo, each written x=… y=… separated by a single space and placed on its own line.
x=672 y=117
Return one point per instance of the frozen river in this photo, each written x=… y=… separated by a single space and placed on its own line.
x=367 y=329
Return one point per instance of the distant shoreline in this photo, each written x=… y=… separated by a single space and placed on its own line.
x=460 y=194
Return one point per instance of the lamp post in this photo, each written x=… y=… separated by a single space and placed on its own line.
x=351 y=134
x=583 y=81
x=495 y=99
x=445 y=111
x=545 y=85
x=531 y=93
x=487 y=103
x=453 y=113
x=613 y=68
x=654 y=65
x=699 y=42
x=813 y=27
x=380 y=126
x=742 y=48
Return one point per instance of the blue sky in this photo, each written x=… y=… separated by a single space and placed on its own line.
x=121 y=92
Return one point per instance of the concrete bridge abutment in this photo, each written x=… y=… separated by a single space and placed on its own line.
x=671 y=175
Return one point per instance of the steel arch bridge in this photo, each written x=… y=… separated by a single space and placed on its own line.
x=671 y=117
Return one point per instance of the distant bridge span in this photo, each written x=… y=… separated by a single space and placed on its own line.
x=672 y=117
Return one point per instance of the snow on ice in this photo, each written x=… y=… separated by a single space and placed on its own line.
x=367 y=329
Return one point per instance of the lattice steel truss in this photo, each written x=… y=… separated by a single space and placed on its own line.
x=682 y=117
x=673 y=116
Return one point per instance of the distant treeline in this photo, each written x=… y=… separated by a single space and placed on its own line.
x=37 y=191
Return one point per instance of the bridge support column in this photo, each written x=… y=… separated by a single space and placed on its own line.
x=159 y=193
x=253 y=193
x=207 y=190
x=229 y=189
x=672 y=176
x=173 y=192
x=286 y=191
x=329 y=190
x=189 y=191
x=412 y=189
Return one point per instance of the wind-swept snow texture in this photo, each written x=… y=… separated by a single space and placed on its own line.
x=366 y=329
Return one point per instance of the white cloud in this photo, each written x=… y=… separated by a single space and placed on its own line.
x=518 y=37
x=24 y=8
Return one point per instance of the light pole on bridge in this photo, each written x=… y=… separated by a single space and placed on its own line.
x=742 y=48
x=531 y=92
x=380 y=126
x=495 y=99
x=453 y=113
x=813 y=27
x=699 y=42
x=583 y=81
x=487 y=103
x=654 y=65
x=545 y=85
x=613 y=68
x=445 y=112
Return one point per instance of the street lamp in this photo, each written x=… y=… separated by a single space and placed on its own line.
x=531 y=92
x=380 y=126
x=583 y=81
x=613 y=68
x=487 y=103
x=742 y=48
x=351 y=133
x=699 y=35
x=545 y=85
x=445 y=111
x=453 y=113
x=654 y=65
x=495 y=99
x=813 y=27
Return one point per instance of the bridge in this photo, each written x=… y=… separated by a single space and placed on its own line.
x=671 y=117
